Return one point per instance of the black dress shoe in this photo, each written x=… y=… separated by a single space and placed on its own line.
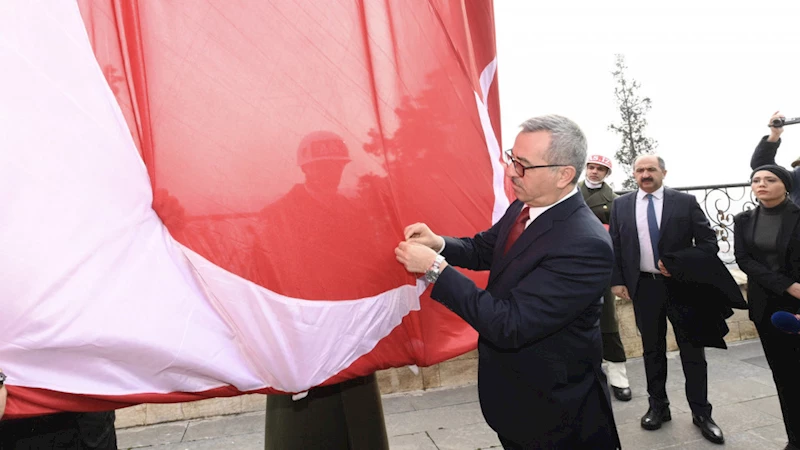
x=622 y=394
x=709 y=429
x=655 y=417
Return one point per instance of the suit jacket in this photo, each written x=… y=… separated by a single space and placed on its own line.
x=540 y=344
x=766 y=289
x=683 y=225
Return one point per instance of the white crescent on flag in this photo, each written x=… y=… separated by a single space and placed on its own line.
x=177 y=226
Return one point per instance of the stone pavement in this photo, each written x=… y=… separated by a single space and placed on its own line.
x=740 y=388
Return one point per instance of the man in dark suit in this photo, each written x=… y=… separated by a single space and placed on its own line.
x=645 y=224
x=540 y=349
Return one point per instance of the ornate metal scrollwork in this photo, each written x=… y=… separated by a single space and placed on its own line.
x=720 y=204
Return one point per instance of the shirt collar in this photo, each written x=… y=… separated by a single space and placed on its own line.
x=658 y=194
x=538 y=210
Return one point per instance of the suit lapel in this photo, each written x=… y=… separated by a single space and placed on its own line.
x=667 y=209
x=535 y=230
x=630 y=212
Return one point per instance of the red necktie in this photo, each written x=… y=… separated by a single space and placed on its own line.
x=517 y=228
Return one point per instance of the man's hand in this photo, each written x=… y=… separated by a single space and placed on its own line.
x=794 y=290
x=775 y=132
x=663 y=269
x=419 y=233
x=415 y=257
x=621 y=291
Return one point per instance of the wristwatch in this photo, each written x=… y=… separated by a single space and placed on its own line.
x=2 y=378
x=432 y=274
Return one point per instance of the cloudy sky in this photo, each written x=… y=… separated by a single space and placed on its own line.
x=715 y=71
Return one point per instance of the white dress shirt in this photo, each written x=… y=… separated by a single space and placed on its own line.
x=646 y=263
x=539 y=210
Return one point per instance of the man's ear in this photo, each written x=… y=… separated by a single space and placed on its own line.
x=565 y=177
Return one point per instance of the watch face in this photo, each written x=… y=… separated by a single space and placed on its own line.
x=431 y=276
x=2 y=378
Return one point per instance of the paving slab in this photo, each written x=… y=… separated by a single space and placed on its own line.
x=774 y=434
x=226 y=426
x=433 y=419
x=415 y=441
x=760 y=361
x=770 y=405
x=445 y=397
x=396 y=403
x=738 y=417
x=151 y=435
x=479 y=435
x=738 y=390
x=253 y=441
x=736 y=441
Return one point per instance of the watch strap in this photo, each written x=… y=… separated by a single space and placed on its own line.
x=432 y=274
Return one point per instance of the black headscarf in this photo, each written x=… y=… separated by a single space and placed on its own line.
x=779 y=172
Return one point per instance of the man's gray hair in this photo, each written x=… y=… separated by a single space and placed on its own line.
x=567 y=141
x=661 y=164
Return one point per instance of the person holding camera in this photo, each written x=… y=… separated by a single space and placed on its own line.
x=767 y=248
x=768 y=147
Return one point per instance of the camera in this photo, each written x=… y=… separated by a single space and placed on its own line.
x=780 y=121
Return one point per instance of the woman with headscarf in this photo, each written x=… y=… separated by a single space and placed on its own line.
x=767 y=247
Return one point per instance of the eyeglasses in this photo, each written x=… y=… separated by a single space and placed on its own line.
x=520 y=169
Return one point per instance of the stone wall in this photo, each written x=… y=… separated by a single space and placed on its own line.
x=458 y=371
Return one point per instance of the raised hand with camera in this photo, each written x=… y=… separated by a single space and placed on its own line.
x=776 y=126
x=779 y=121
x=767 y=148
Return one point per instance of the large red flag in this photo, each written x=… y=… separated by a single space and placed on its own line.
x=284 y=147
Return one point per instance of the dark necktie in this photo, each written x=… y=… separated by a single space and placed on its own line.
x=517 y=228
x=652 y=226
